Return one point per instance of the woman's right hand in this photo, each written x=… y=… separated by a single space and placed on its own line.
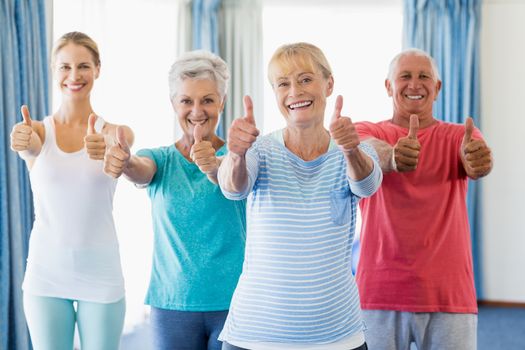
x=243 y=131
x=117 y=157
x=22 y=132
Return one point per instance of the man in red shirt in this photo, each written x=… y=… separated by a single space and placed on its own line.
x=415 y=272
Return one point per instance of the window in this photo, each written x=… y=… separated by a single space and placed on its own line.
x=359 y=38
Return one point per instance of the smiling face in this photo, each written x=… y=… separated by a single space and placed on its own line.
x=301 y=93
x=413 y=88
x=198 y=102
x=75 y=71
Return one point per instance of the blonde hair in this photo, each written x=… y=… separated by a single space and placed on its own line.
x=304 y=55
x=77 y=38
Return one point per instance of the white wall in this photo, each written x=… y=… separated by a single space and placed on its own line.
x=502 y=108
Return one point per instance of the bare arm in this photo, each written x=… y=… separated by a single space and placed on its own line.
x=385 y=152
x=140 y=170
x=233 y=173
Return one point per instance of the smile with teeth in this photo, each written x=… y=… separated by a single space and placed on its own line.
x=195 y=122
x=300 y=104
x=74 y=87
x=414 y=97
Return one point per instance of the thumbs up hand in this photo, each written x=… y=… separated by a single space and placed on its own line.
x=243 y=131
x=406 y=151
x=475 y=154
x=94 y=142
x=117 y=156
x=203 y=154
x=342 y=129
x=22 y=132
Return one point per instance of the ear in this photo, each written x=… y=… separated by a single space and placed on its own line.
x=97 y=71
x=388 y=87
x=330 y=88
x=438 y=89
x=223 y=102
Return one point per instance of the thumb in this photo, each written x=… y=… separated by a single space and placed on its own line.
x=197 y=133
x=414 y=127
x=337 y=108
x=121 y=138
x=91 y=124
x=248 y=110
x=469 y=128
x=25 y=114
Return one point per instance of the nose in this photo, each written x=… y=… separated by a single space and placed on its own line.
x=197 y=109
x=295 y=89
x=414 y=83
x=74 y=74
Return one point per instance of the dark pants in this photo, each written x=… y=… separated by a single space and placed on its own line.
x=186 y=330
x=226 y=346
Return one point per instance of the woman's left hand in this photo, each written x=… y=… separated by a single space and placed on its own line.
x=202 y=153
x=94 y=142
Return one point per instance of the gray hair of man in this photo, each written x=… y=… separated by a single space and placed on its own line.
x=199 y=64
x=413 y=52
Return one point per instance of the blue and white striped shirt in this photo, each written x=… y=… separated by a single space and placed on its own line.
x=297 y=285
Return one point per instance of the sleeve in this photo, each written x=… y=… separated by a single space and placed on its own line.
x=365 y=130
x=370 y=184
x=252 y=167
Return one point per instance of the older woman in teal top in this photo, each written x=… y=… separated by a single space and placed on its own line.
x=199 y=234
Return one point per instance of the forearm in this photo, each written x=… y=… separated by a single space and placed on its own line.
x=385 y=153
x=140 y=170
x=233 y=174
x=359 y=165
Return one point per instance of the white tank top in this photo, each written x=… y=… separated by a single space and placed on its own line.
x=73 y=248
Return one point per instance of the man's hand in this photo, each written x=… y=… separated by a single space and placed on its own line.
x=475 y=154
x=406 y=151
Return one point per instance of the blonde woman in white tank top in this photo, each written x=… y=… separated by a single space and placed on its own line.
x=73 y=250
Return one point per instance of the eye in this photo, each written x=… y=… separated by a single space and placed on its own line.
x=306 y=80
x=424 y=76
x=282 y=84
x=209 y=101
x=63 y=68
x=84 y=66
x=405 y=76
x=185 y=101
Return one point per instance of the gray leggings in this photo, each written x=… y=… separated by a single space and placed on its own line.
x=395 y=330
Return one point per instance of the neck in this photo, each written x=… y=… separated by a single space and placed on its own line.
x=403 y=120
x=308 y=143
x=74 y=112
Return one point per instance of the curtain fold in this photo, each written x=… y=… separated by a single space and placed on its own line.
x=24 y=77
x=449 y=31
x=240 y=39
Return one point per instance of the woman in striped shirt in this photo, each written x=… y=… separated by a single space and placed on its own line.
x=303 y=184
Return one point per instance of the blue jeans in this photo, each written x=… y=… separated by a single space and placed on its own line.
x=226 y=346
x=186 y=330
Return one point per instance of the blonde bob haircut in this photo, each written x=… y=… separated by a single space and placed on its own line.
x=298 y=55
x=77 y=38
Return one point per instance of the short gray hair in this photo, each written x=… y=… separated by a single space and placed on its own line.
x=413 y=52
x=199 y=64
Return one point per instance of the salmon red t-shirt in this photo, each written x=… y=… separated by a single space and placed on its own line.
x=416 y=247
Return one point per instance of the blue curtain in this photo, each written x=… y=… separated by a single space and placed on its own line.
x=24 y=77
x=205 y=32
x=449 y=31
